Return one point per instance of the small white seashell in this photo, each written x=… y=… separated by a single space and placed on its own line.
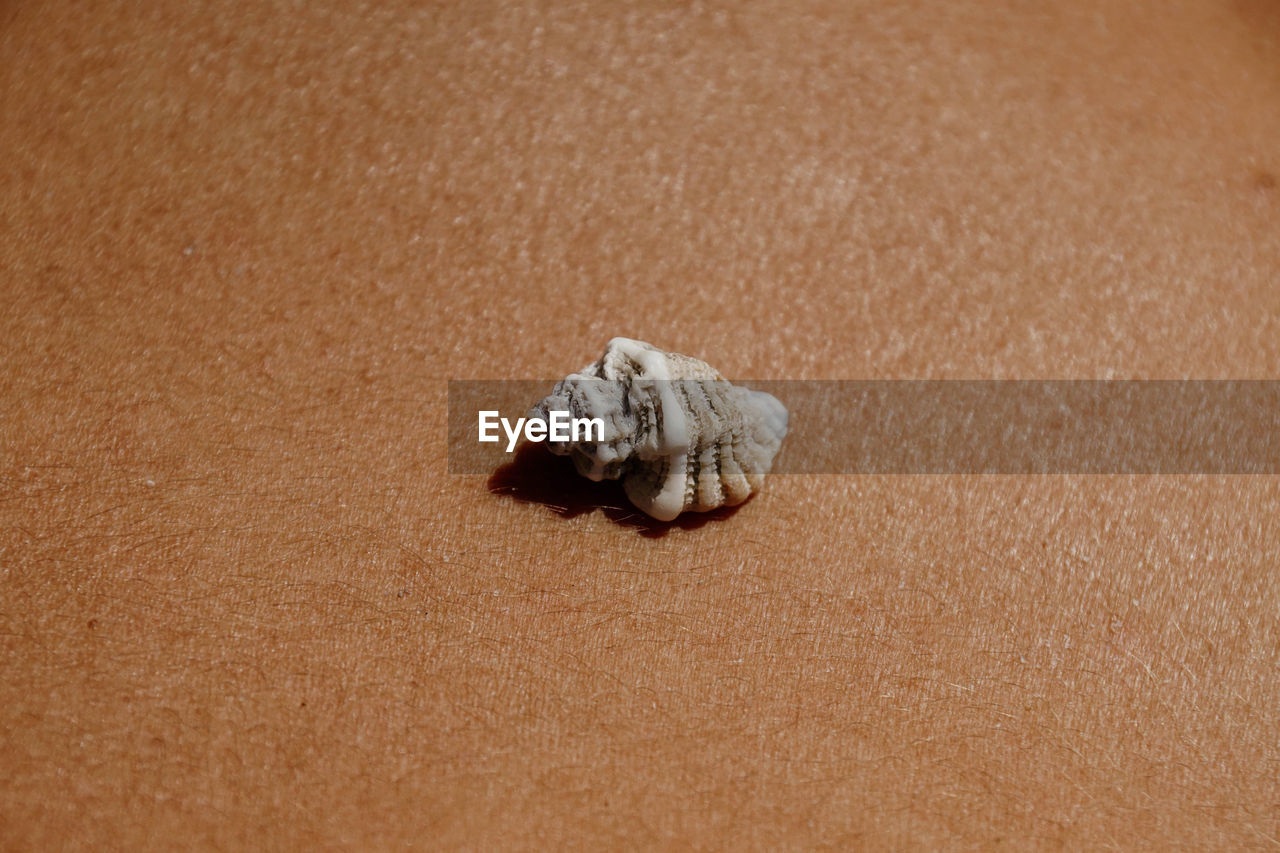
x=678 y=434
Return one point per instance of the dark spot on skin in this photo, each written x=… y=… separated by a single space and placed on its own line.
x=93 y=624
x=1265 y=181
x=537 y=476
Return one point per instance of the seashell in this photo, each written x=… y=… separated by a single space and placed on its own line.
x=678 y=434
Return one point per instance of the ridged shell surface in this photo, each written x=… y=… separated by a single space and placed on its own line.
x=679 y=435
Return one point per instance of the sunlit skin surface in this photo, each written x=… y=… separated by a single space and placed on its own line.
x=243 y=605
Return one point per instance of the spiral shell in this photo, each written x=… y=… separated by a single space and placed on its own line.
x=677 y=433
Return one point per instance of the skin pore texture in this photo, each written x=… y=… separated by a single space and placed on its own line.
x=243 y=248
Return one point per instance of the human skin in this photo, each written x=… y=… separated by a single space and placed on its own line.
x=243 y=605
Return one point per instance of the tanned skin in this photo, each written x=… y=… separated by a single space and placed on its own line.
x=243 y=248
